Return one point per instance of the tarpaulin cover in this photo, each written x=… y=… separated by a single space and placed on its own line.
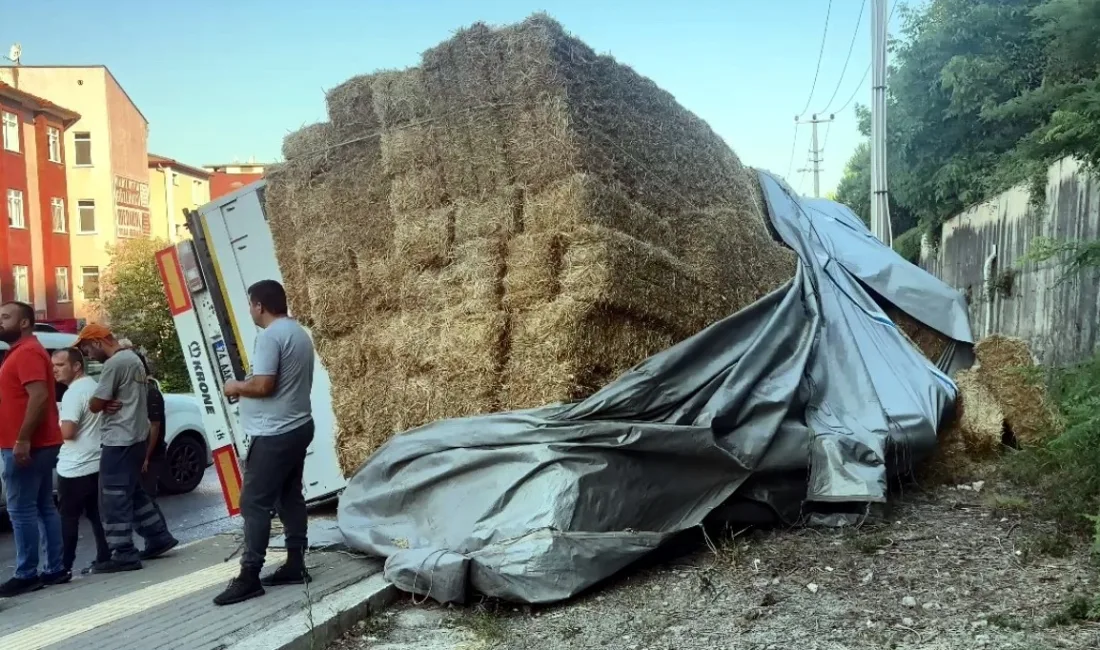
x=804 y=398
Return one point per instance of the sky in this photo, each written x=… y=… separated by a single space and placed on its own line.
x=222 y=81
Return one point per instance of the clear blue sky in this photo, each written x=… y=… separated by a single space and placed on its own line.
x=225 y=79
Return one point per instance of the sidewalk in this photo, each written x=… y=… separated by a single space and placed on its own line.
x=168 y=605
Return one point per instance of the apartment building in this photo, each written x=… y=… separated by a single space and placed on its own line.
x=35 y=263
x=174 y=187
x=106 y=163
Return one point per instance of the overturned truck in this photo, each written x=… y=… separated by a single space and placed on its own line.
x=563 y=322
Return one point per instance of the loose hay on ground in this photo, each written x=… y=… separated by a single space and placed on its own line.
x=516 y=221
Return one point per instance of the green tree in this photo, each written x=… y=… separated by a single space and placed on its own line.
x=132 y=300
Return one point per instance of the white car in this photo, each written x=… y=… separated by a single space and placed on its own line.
x=188 y=453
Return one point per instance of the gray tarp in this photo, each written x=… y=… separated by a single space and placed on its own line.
x=799 y=400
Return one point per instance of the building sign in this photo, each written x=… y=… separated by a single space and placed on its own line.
x=132 y=208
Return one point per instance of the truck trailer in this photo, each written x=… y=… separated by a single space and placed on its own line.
x=206 y=280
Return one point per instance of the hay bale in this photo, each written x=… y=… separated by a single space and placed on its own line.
x=930 y=342
x=972 y=437
x=1007 y=369
x=515 y=221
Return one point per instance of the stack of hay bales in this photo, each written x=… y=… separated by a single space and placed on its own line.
x=514 y=222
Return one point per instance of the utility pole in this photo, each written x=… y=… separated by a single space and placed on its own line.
x=815 y=151
x=880 y=203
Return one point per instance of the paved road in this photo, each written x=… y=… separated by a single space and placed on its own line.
x=196 y=515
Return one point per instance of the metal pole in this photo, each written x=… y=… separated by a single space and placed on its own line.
x=815 y=152
x=880 y=205
x=816 y=167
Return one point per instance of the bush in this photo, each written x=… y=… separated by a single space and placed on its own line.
x=907 y=244
x=1068 y=468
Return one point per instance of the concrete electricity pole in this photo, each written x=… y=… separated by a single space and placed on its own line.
x=815 y=151
x=880 y=204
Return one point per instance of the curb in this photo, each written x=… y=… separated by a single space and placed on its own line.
x=331 y=617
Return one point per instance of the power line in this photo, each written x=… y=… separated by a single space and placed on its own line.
x=851 y=47
x=820 y=56
x=865 y=72
x=794 y=145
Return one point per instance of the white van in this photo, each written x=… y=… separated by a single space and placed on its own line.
x=185 y=435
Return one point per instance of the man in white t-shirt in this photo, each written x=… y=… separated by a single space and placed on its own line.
x=78 y=460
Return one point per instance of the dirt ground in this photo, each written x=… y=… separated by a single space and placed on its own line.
x=956 y=567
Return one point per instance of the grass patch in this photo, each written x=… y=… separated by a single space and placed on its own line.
x=1007 y=622
x=870 y=543
x=1078 y=610
x=485 y=625
x=376 y=625
x=1064 y=471
x=1004 y=505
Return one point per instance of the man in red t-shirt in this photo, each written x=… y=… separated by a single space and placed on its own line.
x=30 y=437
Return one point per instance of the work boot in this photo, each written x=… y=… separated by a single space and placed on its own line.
x=19 y=586
x=292 y=572
x=116 y=566
x=59 y=578
x=153 y=552
x=245 y=586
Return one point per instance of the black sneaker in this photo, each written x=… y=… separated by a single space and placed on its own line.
x=244 y=587
x=59 y=578
x=19 y=586
x=286 y=575
x=152 y=553
x=116 y=566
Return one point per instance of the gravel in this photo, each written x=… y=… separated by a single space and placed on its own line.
x=952 y=570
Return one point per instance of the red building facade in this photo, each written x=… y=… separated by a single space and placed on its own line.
x=225 y=179
x=35 y=265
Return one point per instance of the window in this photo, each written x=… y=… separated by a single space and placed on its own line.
x=61 y=276
x=22 y=283
x=83 y=142
x=196 y=193
x=11 y=131
x=57 y=211
x=53 y=137
x=89 y=279
x=15 y=209
x=85 y=209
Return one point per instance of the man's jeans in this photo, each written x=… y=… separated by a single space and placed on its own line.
x=29 y=493
x=273 y=481
x=124 y=505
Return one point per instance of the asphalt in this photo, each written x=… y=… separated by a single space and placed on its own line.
x=196 y=515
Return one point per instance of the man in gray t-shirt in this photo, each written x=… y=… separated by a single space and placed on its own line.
x=276 y=414
x=120 y=398
x=123 y=381
x=283 y=352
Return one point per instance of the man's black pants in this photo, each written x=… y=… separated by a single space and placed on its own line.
x=273 y=481
x=80 y=496
x=125 y=505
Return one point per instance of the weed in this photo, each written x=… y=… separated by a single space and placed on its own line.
x=485 y=625
x=1007 y=622
x=1077 y=610
x=1056 y=543
x=1007 y=505
x=1064 y=470
x=376 y=625
x=870 y=543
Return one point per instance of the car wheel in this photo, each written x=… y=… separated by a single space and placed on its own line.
x=186 y=463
